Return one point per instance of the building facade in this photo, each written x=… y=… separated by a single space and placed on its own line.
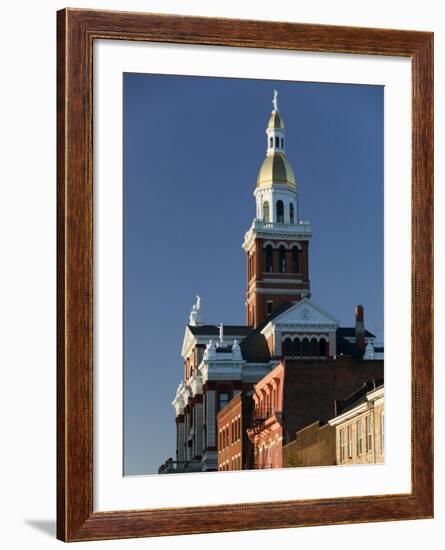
x=295 y=401
x=360 y=427
x=266 y=433
x=314 y=445
x=234 y=447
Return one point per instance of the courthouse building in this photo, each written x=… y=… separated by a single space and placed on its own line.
x=283 y=322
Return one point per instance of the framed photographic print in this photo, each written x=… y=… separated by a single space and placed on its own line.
x=244 y=275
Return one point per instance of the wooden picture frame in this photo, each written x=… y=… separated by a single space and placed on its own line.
x=77 y=31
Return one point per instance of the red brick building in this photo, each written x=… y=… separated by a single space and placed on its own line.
x=298 y=393
x=234 y=446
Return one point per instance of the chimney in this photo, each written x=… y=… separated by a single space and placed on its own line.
x=360 y=328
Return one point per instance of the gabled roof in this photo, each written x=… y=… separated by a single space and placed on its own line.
x=306 y=311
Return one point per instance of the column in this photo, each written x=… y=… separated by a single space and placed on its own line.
x=199 y=428
x=210 y=419
x=180 y=443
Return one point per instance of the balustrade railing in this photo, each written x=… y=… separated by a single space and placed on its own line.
x=300 y=227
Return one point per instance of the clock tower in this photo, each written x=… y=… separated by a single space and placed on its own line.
x=277 y=242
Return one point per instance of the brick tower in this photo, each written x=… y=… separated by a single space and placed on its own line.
x=277 y=242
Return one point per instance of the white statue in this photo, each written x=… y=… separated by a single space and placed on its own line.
x=369 y=351
x=221 y=334
x=210 y=351
x=275 y=100
x=196 y=313
x=236 y=350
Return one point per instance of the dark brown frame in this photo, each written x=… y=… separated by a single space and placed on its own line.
x=77 y=30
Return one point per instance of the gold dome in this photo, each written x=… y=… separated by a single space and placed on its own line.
x=276 y=169
x=275 y=120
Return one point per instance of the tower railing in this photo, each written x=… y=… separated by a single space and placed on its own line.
x=300 y=227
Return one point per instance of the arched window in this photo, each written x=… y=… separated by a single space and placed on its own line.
x=287 y=347
x=269 y=262
x=291 y=213
x=314 y=347
x=305 y=348
x=296 y=352
x=280 y=212
x=295 y=266
x=282 y=143
x=271 y=142
x=282 y=259
x=265 y=211
x=277 y=141
x=322 y=347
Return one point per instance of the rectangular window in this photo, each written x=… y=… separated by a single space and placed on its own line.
x=342 y=446
x=368 y=421
x=350 y=441
x=223 y=400
x=199 y=355
x=359 y=437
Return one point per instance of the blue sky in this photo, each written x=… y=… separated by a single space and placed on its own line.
x=192 y=150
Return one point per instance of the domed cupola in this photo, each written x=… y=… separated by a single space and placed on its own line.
x=276 y=168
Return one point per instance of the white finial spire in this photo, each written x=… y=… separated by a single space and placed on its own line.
x=221 y=334
x=275 y=100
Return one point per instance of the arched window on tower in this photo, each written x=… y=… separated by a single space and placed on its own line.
x=291 y=213
x=280 y=212
x=314 y=347
x=277 y=141
x=287 y=347
x=271 y=142
x=296 y=348
x=282 y=143
x=295 y=253
x=269 y=261
x=265 y=211
x=282 y=259
x=305 y=348
x=322 y=347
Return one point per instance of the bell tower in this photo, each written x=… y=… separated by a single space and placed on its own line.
x=277 y=242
